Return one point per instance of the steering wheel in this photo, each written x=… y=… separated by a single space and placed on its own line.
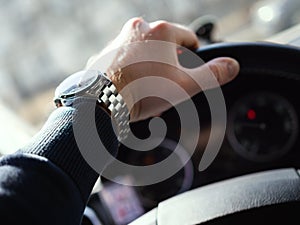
x=266 y=197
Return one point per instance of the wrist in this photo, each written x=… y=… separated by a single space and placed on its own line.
x=94 y=86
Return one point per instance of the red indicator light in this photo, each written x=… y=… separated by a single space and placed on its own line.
x=251 y=114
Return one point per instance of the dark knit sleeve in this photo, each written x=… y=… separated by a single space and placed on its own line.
x=49 y=181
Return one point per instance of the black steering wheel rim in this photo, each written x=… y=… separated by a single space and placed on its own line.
x=256 y=55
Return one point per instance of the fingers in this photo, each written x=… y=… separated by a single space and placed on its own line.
x=213 y=74
x=224 y=69
x=186 y=37
x=176 y=33
x=161 y=30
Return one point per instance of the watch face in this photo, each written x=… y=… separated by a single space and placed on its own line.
x=77 y=83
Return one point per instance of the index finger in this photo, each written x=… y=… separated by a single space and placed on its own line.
x=186 y=37
x=173 y=32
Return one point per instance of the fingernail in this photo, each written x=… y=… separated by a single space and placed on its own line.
x=233 y=68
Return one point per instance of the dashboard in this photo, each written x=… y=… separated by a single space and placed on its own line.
x=262 y=131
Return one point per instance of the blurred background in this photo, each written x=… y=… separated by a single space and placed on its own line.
x=42 y=42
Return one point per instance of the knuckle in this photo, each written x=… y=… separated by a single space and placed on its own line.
x=162 y=26
x=217 y=71
x=134 y=22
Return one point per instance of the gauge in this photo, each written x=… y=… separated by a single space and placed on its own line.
x=262 y=126
x=181 y=181
x=178 y=183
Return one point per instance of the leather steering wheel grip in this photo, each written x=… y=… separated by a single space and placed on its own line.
x=270 y=197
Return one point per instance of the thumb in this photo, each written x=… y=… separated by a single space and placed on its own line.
x=213 y=74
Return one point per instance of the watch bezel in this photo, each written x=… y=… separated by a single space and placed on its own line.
x=79 y=92
x=64 y=98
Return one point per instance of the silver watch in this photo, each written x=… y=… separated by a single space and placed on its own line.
x=95 y=85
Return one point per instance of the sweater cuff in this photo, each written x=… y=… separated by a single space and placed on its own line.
x=56 y=141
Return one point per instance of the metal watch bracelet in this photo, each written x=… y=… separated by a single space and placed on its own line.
x=113 y=101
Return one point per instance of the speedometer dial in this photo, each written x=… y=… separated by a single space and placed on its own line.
x=262 y=126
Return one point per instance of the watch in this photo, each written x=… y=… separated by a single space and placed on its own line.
x=93 y=84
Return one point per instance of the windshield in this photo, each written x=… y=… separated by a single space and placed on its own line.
x=42 y=42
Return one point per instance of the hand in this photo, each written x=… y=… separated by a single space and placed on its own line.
x=149 y=51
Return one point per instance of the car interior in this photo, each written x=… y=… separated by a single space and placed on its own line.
x=255 y=176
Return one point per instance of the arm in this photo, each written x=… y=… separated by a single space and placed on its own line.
x=48 y=181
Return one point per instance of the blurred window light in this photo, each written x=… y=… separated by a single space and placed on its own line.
x=266 y=13
x=41 y=42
